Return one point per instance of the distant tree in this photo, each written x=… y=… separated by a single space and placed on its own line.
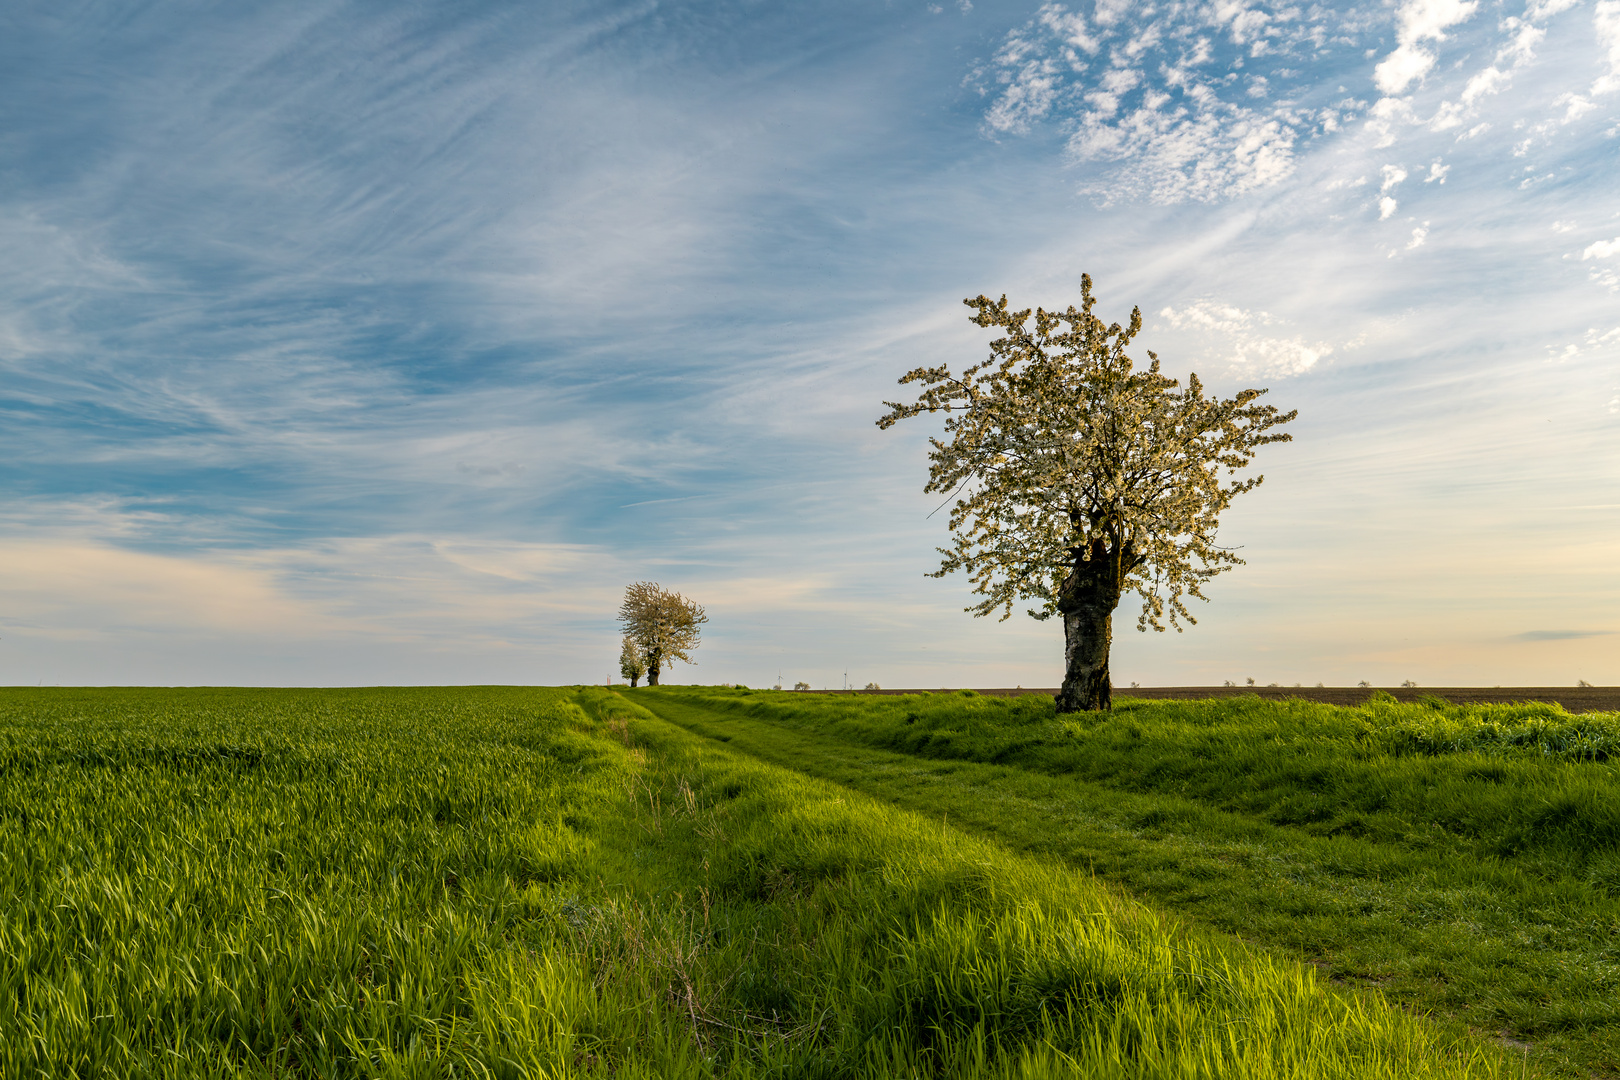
x=631 y=663
x=873 y=686
x=664 y=626
x=1082 y=478
x=801 y=686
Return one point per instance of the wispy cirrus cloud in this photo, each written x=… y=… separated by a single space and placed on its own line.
x=389 y=344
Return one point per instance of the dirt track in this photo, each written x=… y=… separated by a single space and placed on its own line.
x=1575 y=699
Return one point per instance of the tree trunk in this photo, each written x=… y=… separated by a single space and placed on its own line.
x=655 y=660
x=1090 y=595
x=633 y=679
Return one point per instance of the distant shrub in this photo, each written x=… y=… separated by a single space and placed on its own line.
x=801 y=686
x=873 y=686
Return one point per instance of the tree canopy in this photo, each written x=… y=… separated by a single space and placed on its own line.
x=1077 y=476
x=632 y=665
x=663 y=625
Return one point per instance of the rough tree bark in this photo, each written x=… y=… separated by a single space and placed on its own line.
x=1090 y=593
x=655 y=660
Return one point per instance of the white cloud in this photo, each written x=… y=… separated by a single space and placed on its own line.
x=1603 y=276
x=1522 y=48
x=1171 y=119
x=1252 y=353
x=1489 y=81
x=1416 y=22
x=1393 y=174
x=1383 y=117
x=1419 y=235
x=1401 y=68
x=1203 y=102
x=1593 y=341
x=1420 y=20
x=1172 y=157
x=1028 y=92
x=1386 y=208
x=1546 y=9
x=1606 y=23
x=1437 y=171
x=1575 y=107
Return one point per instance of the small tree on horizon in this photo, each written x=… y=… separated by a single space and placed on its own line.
x=663 y=625
x=1083 y=477
x=631 y=664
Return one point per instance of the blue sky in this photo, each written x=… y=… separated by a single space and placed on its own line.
x=351 y=343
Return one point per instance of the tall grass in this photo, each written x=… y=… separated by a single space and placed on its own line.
x=206 y=882
x=1524 y=780
x=1461 y=859
x=849 y=938
x=550 y=883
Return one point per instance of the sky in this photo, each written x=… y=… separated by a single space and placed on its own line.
x=348 y=344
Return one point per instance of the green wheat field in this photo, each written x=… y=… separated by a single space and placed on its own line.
x=706 y=882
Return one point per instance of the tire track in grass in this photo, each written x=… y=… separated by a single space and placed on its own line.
x=1369 y=915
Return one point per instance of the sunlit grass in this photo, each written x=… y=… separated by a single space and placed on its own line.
x=505 y=882
x=1460 y=859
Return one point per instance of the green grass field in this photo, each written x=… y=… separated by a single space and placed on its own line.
x=551 y=882
x=1461 y=860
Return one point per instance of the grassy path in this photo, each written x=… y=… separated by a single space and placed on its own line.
x=1518 y=954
